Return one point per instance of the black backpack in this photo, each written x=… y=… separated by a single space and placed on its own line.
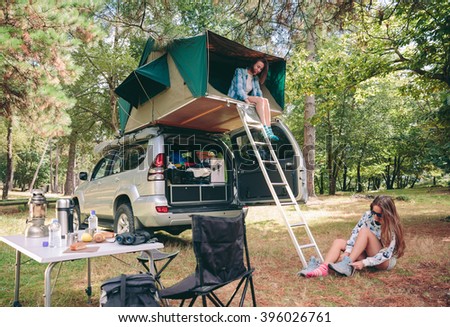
x=130 y=291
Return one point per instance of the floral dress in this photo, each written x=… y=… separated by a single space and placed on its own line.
x=384 y=254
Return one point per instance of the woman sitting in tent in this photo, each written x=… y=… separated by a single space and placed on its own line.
x=246 y=86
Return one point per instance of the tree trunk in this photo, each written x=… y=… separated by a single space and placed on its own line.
x=56 y=190
x=39 y=166
x=309 y=139
x=320 y=183
x=69 y=185
x=7 y=184
x=330 y=158
x=56 y=174
x=358 y=178
x=51 y=181
x=388 y=175
x=344 y=178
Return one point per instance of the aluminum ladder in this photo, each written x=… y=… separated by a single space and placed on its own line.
x=250 y=120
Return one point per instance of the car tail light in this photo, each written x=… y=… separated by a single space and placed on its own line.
x=156 y=171
x=162 y=209
x=158 y=161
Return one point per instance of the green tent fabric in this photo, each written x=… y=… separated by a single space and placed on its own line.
x=147 y=50
x=204 y=61
x=145 y=82
x=275 y=81
x=124 y=105
x=189 y=55
x=225 y=56
x=124 y=112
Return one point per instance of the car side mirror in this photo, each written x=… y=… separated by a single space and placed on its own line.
x=83 y=176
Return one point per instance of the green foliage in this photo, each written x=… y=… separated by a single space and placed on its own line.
x=57 y=81
x=37 y=40
x=370 y=120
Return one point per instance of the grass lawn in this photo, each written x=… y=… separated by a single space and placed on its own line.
x=420 y=279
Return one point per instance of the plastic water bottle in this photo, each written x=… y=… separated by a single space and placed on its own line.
x=93 y=222
x=54 y=234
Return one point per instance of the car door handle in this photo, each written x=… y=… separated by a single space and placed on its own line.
x=116 y=179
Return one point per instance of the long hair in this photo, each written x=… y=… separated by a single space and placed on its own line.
x=392 y=225
x=263 y=74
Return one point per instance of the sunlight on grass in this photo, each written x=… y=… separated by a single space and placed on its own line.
x=274 y=258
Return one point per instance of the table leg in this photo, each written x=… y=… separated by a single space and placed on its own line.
x=48 y=283
x=16 y=302
x=88 y=289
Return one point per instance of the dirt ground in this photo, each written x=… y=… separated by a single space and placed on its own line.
x=420 y=279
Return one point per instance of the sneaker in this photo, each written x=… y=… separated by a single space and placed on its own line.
x=312 y=264
x=270 y=133
x=343 y=267
x=321 y=271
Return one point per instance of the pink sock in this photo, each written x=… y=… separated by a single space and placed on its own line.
x=322 y=270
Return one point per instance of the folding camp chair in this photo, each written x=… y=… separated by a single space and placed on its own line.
x=220 y=245
x=157 y=255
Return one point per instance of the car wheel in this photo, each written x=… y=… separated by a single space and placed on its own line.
x=124 y=219
x=76 y=217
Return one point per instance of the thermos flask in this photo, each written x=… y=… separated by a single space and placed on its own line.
x=64 y=211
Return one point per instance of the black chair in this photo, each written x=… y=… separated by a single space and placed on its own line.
x=157 y=256
x=220 y=245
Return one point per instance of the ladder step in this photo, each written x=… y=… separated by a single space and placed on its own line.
x=298 y=224
x=279 y=184
x=249 y=123
x=307 y=246
x=255 y=125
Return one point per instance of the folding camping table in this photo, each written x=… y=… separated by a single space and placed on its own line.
x=33 y=248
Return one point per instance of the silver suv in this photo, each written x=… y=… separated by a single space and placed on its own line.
x=158 y=177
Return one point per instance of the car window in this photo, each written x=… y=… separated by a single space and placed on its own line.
x=191 y=152
x=134 y=156
x=101 y=169
x=117 y=166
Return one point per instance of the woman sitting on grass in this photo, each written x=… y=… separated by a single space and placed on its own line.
x=376 y=241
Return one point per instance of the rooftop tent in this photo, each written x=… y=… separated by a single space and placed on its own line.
x=145 y=82
x=125 y=106
x=199 y=71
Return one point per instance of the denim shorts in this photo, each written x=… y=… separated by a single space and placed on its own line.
x=392 y=263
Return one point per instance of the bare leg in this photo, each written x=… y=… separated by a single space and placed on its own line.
x=267 y=112
x=261 y=109
x=335 y=250
x=367 y=245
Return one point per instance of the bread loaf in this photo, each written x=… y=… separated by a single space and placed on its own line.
x=108 y=234
x=78 y=246
x=99 y=237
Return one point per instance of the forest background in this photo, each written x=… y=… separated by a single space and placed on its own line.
x=367 y=88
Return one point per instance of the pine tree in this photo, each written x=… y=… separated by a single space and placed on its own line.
x=37 y=40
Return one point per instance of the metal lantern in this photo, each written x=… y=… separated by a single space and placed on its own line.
x=36 y=220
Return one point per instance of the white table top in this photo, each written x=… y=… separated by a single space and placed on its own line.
x=32 y=247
